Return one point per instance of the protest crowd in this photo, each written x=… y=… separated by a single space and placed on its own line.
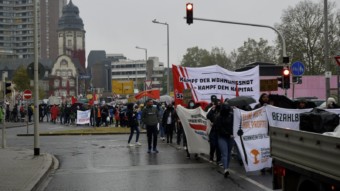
x=159 y=119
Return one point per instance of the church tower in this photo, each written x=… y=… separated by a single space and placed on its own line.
x=71 y=34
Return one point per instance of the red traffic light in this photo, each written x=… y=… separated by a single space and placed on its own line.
x=189 y=6
x=190 y=9
x=286 y=72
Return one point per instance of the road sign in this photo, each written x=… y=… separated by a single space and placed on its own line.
x=27 y=94
x=337 y=58
x=148 y=84
x=18 y=97
x=297 y=68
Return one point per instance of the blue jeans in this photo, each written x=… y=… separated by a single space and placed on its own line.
x=161 y=130
x=132 y=129
x=225 y=144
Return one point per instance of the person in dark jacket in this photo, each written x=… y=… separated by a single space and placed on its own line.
x=168 y=121
x=263 y=100
x=150 y=117
x=105 y=114
x=131 y=114
x=224 y=128
x=213 y=138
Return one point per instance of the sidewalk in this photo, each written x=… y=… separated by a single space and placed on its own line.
x=21 y=170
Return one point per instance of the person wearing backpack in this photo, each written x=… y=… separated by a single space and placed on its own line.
x=150 y=117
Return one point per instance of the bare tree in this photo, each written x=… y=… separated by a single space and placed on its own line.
x=302 y=27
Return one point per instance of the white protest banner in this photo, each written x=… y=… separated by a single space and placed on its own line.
x=254 y=143
x=214 y=80
x=284 y=118
x=83 y=117
x=196 y=127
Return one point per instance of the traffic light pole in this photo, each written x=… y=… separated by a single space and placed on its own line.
x=284 y=52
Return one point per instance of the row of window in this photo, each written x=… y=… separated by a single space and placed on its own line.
x=64 y=93
x=129 y=66
x=128 y=73
x=64 y=83
x=64 y=73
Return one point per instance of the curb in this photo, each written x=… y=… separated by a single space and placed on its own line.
x=72 y=134
x=41 y=173
x=46 y=178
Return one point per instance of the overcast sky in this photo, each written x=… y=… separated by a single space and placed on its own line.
x=118 y=26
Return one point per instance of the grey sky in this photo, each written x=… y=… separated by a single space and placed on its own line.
x=118 y=26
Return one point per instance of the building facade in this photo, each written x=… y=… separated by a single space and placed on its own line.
x=139 y=71
x=64 y=77
x=71 y=34
x=17 y=28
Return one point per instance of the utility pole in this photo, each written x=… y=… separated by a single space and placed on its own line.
x=4 y=74
x=36 y=82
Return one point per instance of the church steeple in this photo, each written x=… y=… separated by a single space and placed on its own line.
x=71 y=33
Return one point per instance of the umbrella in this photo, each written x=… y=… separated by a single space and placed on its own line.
x=281 y=101
x=166 y=98
x=241 y=101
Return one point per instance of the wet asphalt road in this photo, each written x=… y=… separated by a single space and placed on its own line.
x=105 y=162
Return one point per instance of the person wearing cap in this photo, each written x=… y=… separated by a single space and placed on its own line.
x=214 y=101
x=150 y=117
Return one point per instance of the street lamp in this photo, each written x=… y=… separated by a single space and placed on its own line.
x=168 y=72
x=146 y=60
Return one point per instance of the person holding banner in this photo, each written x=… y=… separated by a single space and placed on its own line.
x=224 y=123
x=191 y=105
x=213 y=138
x=263 y=100
x=151 y=118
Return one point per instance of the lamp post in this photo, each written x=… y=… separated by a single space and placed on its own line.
x=36 y=82
x=146 y=60
x=326 y=49
x=168 y=72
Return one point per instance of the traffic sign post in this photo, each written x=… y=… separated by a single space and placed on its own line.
x=297 y=69
x=27 y=94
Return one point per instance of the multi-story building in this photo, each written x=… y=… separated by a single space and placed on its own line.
x=139 y=71
x=17 y=28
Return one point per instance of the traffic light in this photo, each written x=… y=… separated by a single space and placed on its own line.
x=190 y=9
x=280 y=82
x=286 y=78
x=7 y=88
